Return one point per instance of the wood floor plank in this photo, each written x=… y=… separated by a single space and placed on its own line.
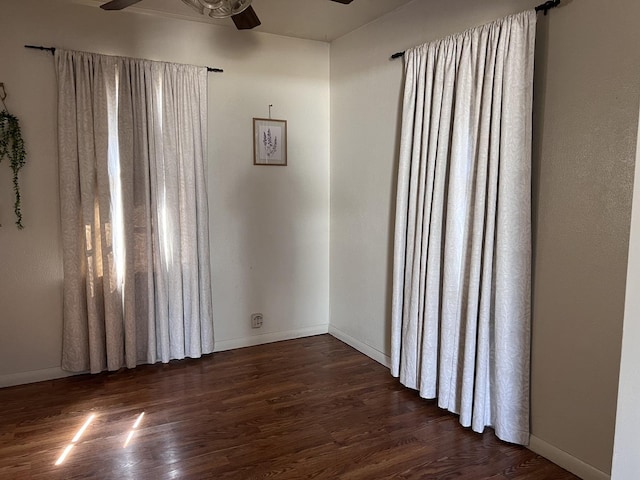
x=306 y=408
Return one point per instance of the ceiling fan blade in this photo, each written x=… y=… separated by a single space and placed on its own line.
x=344 y=2
x=247 y=19
x=118 y=4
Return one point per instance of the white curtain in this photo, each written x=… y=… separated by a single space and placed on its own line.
x=132 y=147
x=462 y=255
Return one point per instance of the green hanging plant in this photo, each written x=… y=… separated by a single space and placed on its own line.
x=12 y=147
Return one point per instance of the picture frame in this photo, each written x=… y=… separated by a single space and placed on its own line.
x=269 y=142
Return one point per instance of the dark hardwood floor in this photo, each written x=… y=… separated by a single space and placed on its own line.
x=306 y=408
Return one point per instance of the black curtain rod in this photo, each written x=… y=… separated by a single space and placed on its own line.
x=545 y=7
x=52 y=50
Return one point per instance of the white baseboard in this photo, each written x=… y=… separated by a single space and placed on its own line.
x=223 y=345
x=33 y=376
x=368 y=350
x=565 y=460
x=23 y=378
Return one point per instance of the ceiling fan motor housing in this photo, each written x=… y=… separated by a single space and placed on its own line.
x=219 y=8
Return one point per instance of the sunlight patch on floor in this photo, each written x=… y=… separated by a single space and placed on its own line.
x=133 y=429
x=75 y=439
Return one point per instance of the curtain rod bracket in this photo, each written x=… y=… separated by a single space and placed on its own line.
x=545 y=7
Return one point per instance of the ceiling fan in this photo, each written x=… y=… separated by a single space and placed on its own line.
x=240 y=11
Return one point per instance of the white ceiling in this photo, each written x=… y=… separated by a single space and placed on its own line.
x=322 y=20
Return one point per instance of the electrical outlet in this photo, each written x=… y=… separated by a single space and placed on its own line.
x=256 y=320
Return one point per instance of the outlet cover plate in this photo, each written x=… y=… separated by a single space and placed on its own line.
x=256 y=320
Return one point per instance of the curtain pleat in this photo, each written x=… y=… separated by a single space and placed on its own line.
x=132 y=147
x=462 y=255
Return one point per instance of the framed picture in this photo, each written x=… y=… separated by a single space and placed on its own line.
x=269 y=142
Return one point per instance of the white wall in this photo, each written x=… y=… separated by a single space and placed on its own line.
x=626 y=461
x=269 y=225
x=585 y=126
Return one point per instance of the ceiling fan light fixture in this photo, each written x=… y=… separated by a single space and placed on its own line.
x=227 y=8
x=219 y=8
x=196 y=5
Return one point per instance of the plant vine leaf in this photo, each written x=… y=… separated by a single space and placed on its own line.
x=12 y=147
